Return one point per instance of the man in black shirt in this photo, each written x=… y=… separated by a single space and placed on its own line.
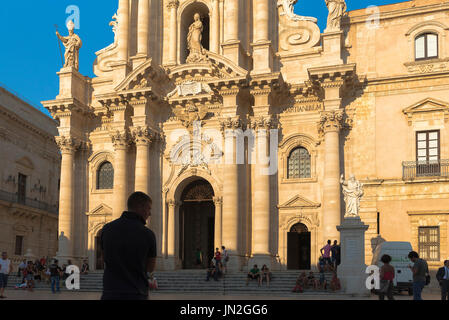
x=129 y=251
x=55 y=273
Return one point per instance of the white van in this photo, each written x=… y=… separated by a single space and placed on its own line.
x=398 y=251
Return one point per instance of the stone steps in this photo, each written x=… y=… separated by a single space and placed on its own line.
x=195 y=282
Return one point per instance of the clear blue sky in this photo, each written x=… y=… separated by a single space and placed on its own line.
x=29 y=55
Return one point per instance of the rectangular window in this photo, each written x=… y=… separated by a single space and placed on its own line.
x=420 y=48
x=428 y=153
x=21 y=193
x=432 y=46
x=19 y=246
x=429 y=243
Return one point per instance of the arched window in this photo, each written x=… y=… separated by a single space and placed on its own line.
x=426 y=46
x=299 y=164
x=105 y=176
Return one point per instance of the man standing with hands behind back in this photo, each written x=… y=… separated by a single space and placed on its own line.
x=129 y=250
x=443 y=279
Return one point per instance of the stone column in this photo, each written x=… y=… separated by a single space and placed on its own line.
x=142 y=28
x=262 y=51
x=121 y=143
x=66 y=228
x=218 y=201
x=171 y=235
x=231 y=20
x=330 y=126
x=173 y=7
x=261 y=17
x=123 y=30
x=231 y=221
x=215 y=39
x=261 y=212
x=143 y=139
x=231 y=46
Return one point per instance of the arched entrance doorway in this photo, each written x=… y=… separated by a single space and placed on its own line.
x=197 y=224
x=298 y=248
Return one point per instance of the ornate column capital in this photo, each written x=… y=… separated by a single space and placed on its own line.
x=67 y=144
x=173 y=4
x=331 y=121
x=121 y=140
x=173 y=203
x=143 y=136
x=218 y=201
x=263 y=123
x=230 y=123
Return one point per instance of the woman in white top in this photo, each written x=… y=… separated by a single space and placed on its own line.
x=5 y=269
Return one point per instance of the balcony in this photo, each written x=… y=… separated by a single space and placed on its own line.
x=425 y=169
x=16 y=198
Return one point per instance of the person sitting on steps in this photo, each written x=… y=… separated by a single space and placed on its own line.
x=254 y=274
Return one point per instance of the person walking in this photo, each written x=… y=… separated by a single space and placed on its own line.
x=386 y=278
x=225 y=258
x=443 y=280
x=55 y=276
x=129 y=251
x=5 y=270
x=420 y=270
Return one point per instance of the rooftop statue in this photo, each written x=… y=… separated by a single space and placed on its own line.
x=288 y=6
x=72 y=44
x=337 y=8
x=197 y=52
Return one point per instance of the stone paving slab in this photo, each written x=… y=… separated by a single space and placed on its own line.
x=42 y=295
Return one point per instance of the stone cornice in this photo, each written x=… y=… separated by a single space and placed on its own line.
x=421 y=10
x=329 y=74
x=25 y=124
x=66 y=107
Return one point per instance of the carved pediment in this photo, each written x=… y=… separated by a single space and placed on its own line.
x=217 y=67
x=429 y=105
x=147 y=77
x=101 y=210
x=25 y=162
x=299 y=202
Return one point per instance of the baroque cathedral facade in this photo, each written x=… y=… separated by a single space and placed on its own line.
x=187 y=82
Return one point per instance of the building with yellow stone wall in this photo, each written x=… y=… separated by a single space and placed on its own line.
x=368 y=96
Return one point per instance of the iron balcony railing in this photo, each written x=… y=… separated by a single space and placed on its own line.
x=16 y=198
x=419 y=169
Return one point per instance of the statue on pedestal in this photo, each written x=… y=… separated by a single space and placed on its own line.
x=72 y=44
x=336 y=10
x=197 y=52
x=353 y=192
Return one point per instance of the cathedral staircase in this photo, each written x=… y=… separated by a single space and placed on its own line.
x=194 y=282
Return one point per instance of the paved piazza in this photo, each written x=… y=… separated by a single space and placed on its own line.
x=44 y=295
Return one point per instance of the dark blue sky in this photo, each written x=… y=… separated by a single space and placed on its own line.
x=29 y=55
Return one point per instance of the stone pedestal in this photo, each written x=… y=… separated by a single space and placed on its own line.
x=352 y=269
x=72 y=84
